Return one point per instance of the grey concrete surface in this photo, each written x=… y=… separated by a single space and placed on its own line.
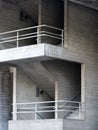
x=36 y=125
x=82 y=48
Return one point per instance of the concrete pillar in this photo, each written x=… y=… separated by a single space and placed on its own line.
x=56 y=99
x=83 y=87
x=13 y=70
x=39 y=21
x=66 y=23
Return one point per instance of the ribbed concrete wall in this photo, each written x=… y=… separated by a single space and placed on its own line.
x=52 y=13
x=83 y=39
x=82 y=33
x=10 y=20
x=68 y=76
x=26 y=92
x=5 y=97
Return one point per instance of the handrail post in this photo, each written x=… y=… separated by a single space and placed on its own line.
x=14 y=112
x=35 y=111
x=56 y=110
x=80 y=110
x=13 y=71
x=62 y=36
x=56 y=99
x=38 y=35
x=17 y=38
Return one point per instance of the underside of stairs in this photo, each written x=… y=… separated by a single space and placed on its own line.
x=40 y=76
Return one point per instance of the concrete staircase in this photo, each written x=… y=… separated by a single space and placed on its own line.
x=75 y=115
x=39 y=75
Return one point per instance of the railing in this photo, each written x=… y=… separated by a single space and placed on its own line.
x=43 y=109
x=37 y=32
x=73 y=98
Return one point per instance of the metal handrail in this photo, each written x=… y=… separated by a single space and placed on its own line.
x=45 y=107
x=36 y=32
x=58 y=101
x=72 y=99
x=33 y=27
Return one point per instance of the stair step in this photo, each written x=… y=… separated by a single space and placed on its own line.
x=73 y=117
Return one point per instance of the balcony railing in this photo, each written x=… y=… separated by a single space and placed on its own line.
x=55 y=109
x=46 y=32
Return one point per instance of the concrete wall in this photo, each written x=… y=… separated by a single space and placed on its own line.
x=37 y=125
x=26 y=92
x=10 y=20
x=82 y=34
x=5 y=97
x=51 y=13
x=82 y=38
x=68 y=76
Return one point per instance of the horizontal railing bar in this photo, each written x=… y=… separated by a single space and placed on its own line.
x=53 y=27
x=30 y=103
x=36 y=111
x=28 y=28
x=46 y=32
x=27 y=34
x=59 y=101
x=37 y=107
x=8 y=38
x=67 y=107
x=28 y=112
x=40 y=107
x=18 y=30
x=45 y=107
x=13 y=40
x=25 y=108
x=52 y=36
x=24 y=38
x=31 y=108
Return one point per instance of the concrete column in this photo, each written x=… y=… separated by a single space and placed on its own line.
x=56 y=99
x=83 y=86
x=66 y=23
x=13 y=70
x=39 y=21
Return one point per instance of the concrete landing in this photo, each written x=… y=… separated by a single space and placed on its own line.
x=38 y=53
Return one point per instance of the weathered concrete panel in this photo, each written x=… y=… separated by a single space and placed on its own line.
x=5 y=97
x=21 y=53
x=36 y=125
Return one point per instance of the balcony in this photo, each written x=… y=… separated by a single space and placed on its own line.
x=32 y=35
x=62 y=109
x=46 y=114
